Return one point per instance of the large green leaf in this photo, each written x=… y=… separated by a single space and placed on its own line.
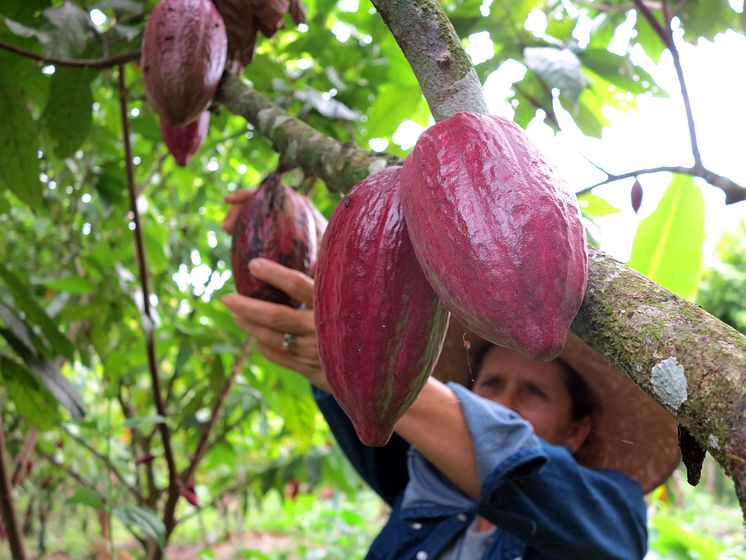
x=68 y=114
x=68 y=27
x=559 y=68
x=19 y=164
x=668 y=243
x=36 y=314
x=32 y=401
x=142 y=522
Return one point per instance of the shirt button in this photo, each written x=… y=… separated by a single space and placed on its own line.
x=421 y=555
x=416 y=526
x=461 y=517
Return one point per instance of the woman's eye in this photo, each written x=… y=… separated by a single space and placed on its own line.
x=537 y=391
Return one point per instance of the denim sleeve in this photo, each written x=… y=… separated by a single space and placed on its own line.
x=552 y=503
x=384 y=469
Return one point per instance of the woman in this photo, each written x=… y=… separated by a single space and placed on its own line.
x=527 y=465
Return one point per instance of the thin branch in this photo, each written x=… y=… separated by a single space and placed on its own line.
x=666 y=35
x=733 y=191
x=7 y=509
x=174 y=486
x=20 y=461
x=202 y=446
x=106 y=460
x=539 y=105
x=107 y=62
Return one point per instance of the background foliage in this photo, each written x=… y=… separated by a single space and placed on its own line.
x=75 y=372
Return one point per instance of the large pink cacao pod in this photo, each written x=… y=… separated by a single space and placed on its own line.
x=276 y=223
x=183 y=54
x=380 y=326
x=184 y=141
x=496 y=231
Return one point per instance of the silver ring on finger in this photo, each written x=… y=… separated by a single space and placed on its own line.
x=288 y=340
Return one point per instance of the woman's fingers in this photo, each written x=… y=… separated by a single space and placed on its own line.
x=280 y=318
x=236 y=201
x=294 y=283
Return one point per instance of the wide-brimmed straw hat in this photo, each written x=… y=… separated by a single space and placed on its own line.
x=631 y=432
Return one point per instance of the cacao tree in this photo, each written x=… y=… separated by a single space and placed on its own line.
x=123 y=373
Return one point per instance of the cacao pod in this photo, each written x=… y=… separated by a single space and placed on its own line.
x=183 y=55
x=276 y=223
x=379 y=324
x=496 y=231
x=184 y=141
x=636 y=195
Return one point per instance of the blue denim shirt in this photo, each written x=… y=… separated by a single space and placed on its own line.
x=544 y=504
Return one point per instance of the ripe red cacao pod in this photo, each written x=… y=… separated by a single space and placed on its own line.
x=380 y=326
x=636 y=195
x=184 y=141
x=496 y=231
x=183 y=55
x=276 y=223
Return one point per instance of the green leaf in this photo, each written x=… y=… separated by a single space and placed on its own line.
x=559 y=68
x=32 y=400
x=142 y=522
x=668 y=243
x=19 y=164
x=68 y=30
x=35 y=314
x=394 y=104
x=87 y=497
x=619 y=71
x=71 y=285
x=48 y=374
x=592 y=205
x=67 y=116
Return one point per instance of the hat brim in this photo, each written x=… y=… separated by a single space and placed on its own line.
x=631 y=432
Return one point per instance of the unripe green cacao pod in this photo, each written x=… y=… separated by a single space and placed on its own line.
x=380 y=326
x=183 y=54
x=496 y=231
x=184 y=141
x=276 y=223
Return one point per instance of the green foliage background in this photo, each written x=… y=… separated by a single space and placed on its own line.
x=73 y=357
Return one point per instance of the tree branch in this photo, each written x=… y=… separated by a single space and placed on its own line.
x=202 y=446
x=339 y=165
x=432 y=47
x=733 y=191
x=7 y=510
x=174 y=486
x=107 y=62
x=666 y=35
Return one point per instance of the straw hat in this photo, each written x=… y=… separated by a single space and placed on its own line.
x=631 y=432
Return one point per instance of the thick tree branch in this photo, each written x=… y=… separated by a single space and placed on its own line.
x=443 y=69
x=107 y=62
x=339 y=165
x=733 y=191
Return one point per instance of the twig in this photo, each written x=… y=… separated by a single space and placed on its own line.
x=72 y=474
x=539 y=105
x=202 y=446
x=107 y=461
x=174 y=486
x=108 y=62
x=666 y=35
x=20 y=472
x=733 y=191
x=7 y=510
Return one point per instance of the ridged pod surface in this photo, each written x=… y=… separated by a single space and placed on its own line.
x=496 y=231
x=276 y=223
x=184 y=141
x=183 y=54
x=380 y=326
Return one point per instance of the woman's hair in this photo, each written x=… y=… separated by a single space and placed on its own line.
x=583 y=400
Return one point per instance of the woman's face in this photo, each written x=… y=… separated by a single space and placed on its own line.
x=535 y=390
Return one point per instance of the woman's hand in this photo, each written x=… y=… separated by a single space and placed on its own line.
x=273 y=324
